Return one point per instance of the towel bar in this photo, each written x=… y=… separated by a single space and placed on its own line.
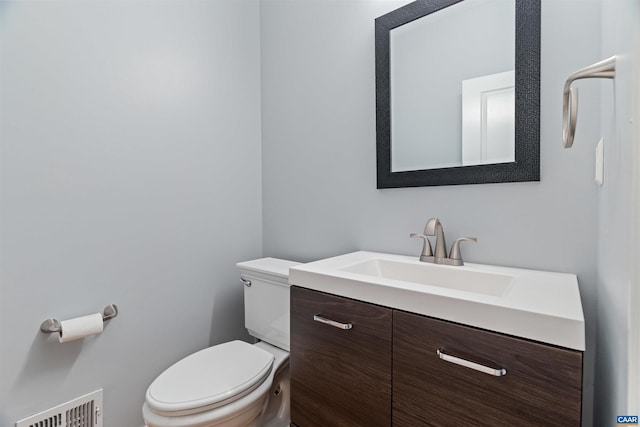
x=605 y=69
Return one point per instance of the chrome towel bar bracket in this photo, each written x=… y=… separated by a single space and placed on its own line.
x=605 y=69
x=51 y=326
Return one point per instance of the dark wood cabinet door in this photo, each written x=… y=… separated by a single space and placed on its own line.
x=542 y=385
x=339 y=377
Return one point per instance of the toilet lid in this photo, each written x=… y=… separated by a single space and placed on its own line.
x=224 y=372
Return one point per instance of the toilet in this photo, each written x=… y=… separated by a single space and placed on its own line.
x=234 y=384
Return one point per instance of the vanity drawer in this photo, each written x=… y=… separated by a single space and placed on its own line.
x=541 y=387
x=339 y=377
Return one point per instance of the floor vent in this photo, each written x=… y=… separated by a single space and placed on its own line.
x=85 y=411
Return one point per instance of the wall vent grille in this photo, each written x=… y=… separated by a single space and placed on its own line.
x=85 y=411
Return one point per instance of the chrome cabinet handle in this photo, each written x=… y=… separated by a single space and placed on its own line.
x=332 y=322
x=469 y=364
x=245 y=282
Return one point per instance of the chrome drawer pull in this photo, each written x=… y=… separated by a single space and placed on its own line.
x=485 y=369
x=332 y=322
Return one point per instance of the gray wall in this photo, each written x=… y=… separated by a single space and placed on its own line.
x=130 y=175
x=318 y=121
x=615 y=200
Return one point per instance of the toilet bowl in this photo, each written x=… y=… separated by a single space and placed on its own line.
x=234 y=384
x=240 y=399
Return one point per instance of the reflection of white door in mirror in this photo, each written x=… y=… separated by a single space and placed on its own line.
x=488 y=119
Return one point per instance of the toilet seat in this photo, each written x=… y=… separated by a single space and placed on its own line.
x=210 y=378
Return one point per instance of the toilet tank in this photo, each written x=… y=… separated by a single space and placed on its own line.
x=266 y=300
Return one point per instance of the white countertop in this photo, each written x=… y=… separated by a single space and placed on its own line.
x=537 y=305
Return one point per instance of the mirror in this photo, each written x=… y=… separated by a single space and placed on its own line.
x=457 y=93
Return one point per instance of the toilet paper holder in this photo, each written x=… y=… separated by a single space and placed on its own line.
x=51 y=326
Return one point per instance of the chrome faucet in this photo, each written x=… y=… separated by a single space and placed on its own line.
x=427 y=254
x=455 y=257
x=434 y=228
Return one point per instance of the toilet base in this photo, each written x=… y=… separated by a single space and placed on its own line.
x=278 y=411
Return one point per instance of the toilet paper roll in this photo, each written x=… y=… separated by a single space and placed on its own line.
x=80 y=327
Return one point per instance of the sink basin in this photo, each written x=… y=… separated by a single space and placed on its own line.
x=434 y=275
x=536 y=305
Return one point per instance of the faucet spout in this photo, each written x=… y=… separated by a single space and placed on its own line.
x=439 y=255
x=434 y=228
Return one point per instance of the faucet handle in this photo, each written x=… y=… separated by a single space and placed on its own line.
x=426 y=248
x=455 y=256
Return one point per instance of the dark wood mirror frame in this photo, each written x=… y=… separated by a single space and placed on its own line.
x=527 y=103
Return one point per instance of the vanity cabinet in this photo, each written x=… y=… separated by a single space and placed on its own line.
x=441 y=373
x=523 y=383
x=339 y=377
